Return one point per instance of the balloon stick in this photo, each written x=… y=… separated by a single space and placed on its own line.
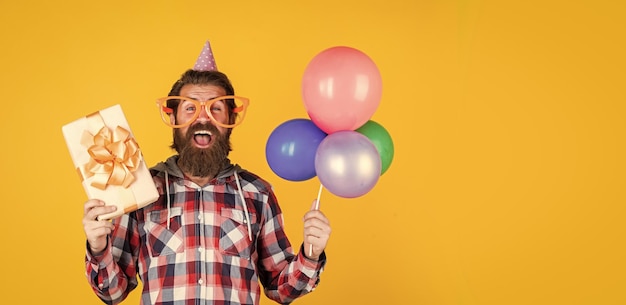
x=317 y=207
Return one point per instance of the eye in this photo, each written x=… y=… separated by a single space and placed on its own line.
x=188 y=107
x=217 y=107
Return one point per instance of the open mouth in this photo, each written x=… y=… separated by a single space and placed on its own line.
x=202 y=138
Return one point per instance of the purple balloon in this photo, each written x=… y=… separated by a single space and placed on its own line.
x=347 y=164
x=290 y=149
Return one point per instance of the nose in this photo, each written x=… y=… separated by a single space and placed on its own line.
x=204 y=114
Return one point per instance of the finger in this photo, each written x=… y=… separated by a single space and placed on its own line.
x=316 y=215
x=90 y=204
x=92 y=224
x=315 y=231
x=99 y=228
x=316 y=224
x=314 y=205
x=97 y=236
x=316 y=243
x=96 y=211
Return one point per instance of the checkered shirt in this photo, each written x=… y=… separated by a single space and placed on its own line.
x=203 y=254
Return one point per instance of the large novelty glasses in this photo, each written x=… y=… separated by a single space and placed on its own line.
x=225 y=111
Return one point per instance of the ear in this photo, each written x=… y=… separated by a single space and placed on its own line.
x=232 y=117
x=172 y=119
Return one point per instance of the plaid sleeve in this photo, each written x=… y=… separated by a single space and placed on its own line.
x=113 y=273
x=284 y=275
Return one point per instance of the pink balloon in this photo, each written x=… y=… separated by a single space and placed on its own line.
x=341 y=89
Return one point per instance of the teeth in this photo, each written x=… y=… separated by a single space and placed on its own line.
x=203 y=132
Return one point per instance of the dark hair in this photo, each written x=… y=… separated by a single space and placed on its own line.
x=194 y=77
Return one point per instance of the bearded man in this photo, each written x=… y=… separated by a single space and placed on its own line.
x=215 y=235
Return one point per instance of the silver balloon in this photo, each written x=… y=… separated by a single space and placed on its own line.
x=347 y=164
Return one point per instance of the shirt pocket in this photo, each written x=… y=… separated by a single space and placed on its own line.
x=234 y=235
x=163 y=239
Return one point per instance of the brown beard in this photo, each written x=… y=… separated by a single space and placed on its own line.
x=201 y=162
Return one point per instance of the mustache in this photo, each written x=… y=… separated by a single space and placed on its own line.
x=202 y=126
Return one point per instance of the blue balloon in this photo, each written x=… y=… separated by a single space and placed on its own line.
x=290 y=149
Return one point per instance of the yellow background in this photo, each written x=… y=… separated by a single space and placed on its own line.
x=507 y=186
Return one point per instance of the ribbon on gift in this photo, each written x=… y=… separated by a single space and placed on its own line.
x=114 y=155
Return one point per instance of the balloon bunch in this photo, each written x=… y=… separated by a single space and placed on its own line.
x=348 y=152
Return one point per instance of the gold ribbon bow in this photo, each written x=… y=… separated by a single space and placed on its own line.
x=114 y=157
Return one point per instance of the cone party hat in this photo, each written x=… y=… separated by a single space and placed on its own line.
x=205 y=61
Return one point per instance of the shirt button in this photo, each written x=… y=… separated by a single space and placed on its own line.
x=200 y=216
x=200 y=249
x=200 y=281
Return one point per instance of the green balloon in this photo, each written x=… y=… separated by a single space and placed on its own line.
x=381 y=139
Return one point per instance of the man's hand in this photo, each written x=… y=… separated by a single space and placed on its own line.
x=316 y=232
x=97 y=230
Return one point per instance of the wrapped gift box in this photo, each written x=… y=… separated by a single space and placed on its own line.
x=109 y=162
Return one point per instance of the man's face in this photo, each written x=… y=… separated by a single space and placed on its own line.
x=202 y=93
x=202 y=146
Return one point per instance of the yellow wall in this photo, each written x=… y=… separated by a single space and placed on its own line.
x=507 y=185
